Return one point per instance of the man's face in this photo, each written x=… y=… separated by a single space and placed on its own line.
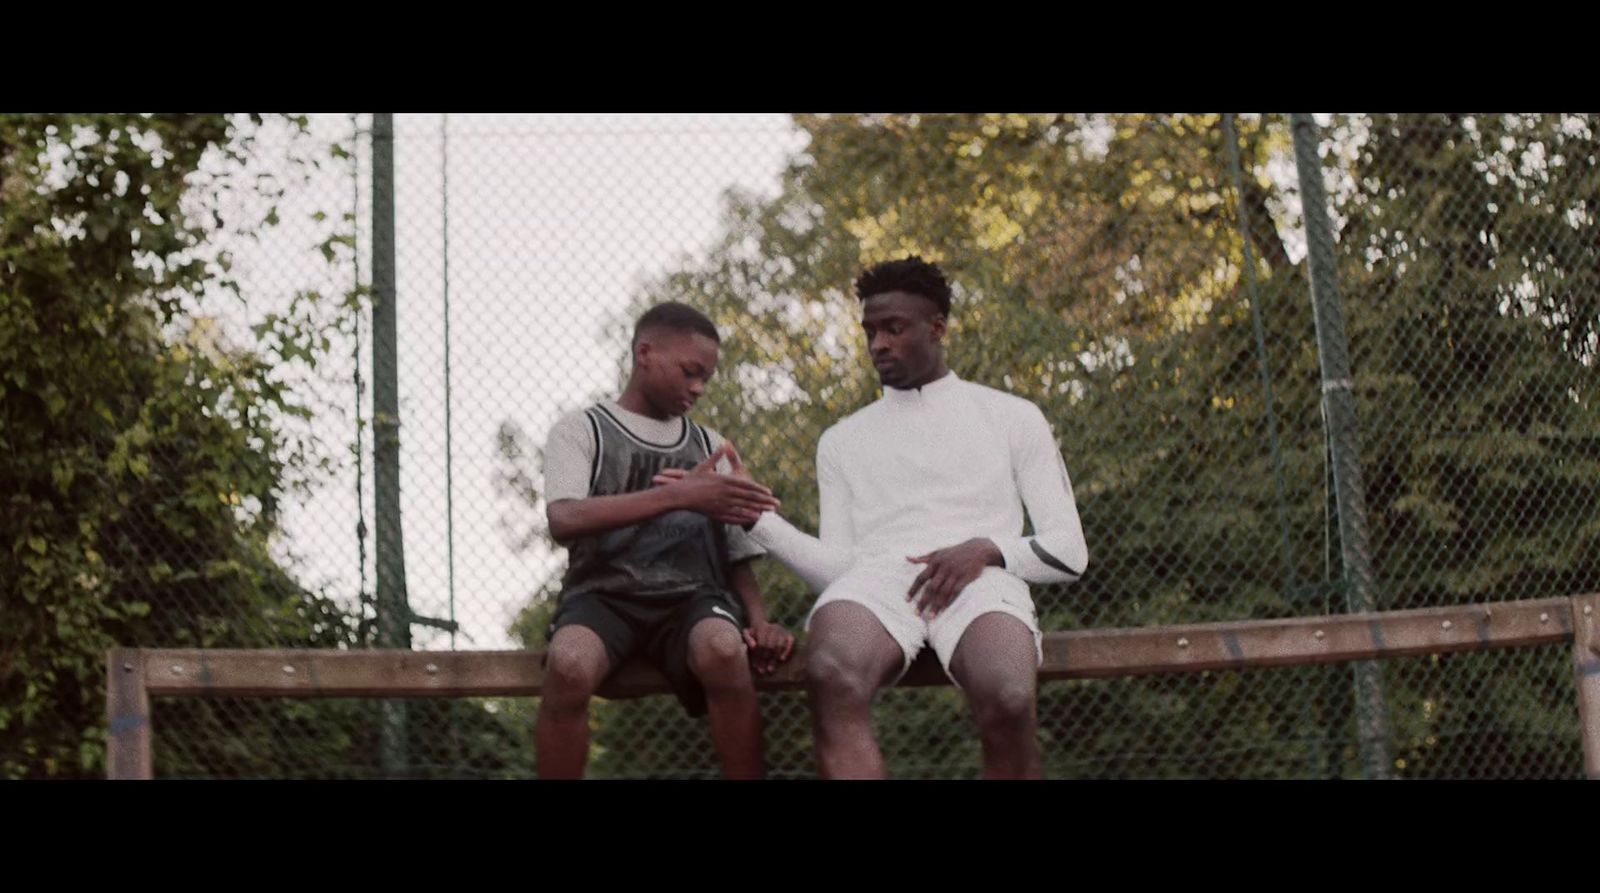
x=904 y=333
x=676 y=367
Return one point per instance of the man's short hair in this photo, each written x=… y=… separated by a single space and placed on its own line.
x=912 y=275
x=675 y=317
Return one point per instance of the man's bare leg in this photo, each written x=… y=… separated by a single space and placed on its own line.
x=996 y=665
x=849 y=657
x=718 y=658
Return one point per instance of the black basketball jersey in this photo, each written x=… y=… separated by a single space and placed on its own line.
x=669 y=556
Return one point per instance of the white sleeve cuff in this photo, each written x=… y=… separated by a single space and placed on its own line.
x=762 y=531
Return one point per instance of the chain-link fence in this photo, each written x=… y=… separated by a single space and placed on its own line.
x=1147 y=280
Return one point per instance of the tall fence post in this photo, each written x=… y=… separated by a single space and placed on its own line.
x=1339 y=414
x=393 y=607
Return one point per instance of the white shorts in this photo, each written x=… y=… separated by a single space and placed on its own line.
x=881 y=585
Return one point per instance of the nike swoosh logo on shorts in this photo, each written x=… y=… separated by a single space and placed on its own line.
x=725 y=614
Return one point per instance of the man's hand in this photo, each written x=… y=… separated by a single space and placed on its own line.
x=727 y=498
x=769 y=645
x=736 y=472
x=949 y=571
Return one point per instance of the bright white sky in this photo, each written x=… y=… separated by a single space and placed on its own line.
x=554 y=222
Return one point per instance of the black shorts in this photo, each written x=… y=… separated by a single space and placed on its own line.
x=653 y=627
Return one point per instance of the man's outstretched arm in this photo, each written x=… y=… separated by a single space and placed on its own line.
x=817 y=562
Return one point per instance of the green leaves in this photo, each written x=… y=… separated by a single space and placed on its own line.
x=129 y=447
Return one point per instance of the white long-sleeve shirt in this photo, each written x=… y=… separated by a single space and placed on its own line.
x=927 y=468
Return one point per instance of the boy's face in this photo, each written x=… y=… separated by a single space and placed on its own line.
x=676 y=366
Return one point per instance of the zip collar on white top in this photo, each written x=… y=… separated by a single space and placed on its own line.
x=937 y=389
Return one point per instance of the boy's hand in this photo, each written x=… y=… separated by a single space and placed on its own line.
x=737 y=472
x=727 y=498
x=769 y=645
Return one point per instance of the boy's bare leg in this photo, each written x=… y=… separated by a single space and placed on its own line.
x=576 y=666
x=717 y=657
